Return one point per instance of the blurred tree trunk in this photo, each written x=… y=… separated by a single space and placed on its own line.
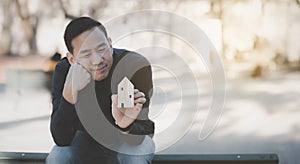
x=217 y=10
x=30 y=24
x=95 y=9
x=66 y=13
x=6 y=37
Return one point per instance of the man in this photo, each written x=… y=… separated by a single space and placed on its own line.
x=92 y=63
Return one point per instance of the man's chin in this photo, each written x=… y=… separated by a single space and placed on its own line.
x=99 y=77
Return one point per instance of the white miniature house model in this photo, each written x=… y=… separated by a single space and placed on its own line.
x=125 y=94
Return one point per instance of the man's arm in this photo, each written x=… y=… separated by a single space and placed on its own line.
x=142 y=125
x=142 y=80
x=64 y=120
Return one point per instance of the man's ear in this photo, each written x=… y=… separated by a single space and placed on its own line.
x=70 y=57
x=109 y=41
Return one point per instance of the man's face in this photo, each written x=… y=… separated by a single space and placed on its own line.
x=93 y=51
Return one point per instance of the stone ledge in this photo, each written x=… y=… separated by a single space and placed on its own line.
x=39 y=158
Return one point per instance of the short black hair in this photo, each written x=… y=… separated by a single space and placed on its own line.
x=78 y=26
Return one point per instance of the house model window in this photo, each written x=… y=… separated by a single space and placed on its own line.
x=125 y=94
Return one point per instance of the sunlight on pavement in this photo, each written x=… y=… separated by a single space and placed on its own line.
x=247 y=117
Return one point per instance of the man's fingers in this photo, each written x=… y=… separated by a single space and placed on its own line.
x=78 y=72
x=138 y=106
x=80 y=68
x=139 y=94
x=141 y=100
x=80 y=76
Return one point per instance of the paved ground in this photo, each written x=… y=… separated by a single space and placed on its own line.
x=260 y=116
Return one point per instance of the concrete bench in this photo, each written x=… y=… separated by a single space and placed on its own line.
x=39 y=158
x=25 y=78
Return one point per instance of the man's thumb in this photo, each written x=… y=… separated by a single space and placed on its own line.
x=114 y=99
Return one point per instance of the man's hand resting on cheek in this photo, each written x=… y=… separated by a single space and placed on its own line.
x=77 y=78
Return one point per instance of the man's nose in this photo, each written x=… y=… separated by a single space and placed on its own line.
x=97 y=58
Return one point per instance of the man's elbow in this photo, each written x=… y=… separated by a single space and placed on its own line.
x=61 y=138
x=61 y=142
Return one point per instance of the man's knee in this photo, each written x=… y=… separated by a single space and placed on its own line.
x=135 y=159
x=62 y=155
x=142 y=153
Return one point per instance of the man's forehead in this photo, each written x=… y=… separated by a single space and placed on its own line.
x=85 y=39
x=92 y=33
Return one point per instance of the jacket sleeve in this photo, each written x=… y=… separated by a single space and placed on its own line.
x=142 y=80
x=64 y=120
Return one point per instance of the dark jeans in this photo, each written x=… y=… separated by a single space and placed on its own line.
x=84 y=150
